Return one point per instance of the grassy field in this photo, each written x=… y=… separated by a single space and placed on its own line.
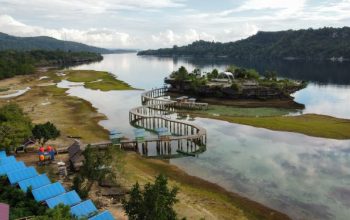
x=4 y=89
x=103 y=81
x=309 y=124
x=219 y=110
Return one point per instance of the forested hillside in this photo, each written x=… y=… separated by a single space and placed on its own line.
x=310 y=44
x=8 y=42
x=24 y=62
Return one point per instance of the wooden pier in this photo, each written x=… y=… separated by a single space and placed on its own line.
x=153 y=114
x=189 y=139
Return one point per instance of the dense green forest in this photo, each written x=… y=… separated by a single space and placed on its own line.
x=8 y=42
x=20 y=63
x=309 y=44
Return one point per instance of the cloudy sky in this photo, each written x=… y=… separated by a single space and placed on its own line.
x=146 y=24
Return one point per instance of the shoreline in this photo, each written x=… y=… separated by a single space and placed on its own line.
x=249 y=103
x=77 y=117
x=251 y=208
x=314 y=125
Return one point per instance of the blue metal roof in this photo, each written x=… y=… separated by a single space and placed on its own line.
x=116 y=136
x=84 y=209
x=163 y=131
x=5 y=160
x=114 y=131
x=35 y=182
x=2 y=154
x=105 y=215
x=48 y=191
x=10 y=167
x=139 y=132
x=22 y=174
x=69 y=198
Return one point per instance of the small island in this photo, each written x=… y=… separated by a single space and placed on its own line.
x=235 y=84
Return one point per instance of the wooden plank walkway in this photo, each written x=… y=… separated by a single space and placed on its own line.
x=153 y=114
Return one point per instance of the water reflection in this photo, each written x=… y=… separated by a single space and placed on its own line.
x=325 y=99
x=290 y=172
x=305 y=177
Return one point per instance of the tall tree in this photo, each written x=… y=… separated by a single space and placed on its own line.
x=98 y=166
x=44 y=132
x=156 y=201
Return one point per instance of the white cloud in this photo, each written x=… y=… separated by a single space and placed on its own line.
x=237 y=33
x=163 y=23
x=168 y=37
x=76 y=7
x=292 y=5
x=96 y=37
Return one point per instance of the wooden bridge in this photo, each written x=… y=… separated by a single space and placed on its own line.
x=154 y=113
x=189 y=139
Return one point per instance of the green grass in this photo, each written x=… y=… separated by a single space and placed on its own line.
x=95 y=80
x=218 y=110
x=4 y=89
x=309 y=124
x=276 y=119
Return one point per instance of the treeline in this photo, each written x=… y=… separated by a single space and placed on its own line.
x=309 y=44
x=21 y=63
x=8 y=42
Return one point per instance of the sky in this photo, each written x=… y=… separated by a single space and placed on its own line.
x=148 y=24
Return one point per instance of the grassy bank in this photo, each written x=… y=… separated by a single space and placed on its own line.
x=197 y=198
x=245 y=112
x=97 y=80
x=308 y=124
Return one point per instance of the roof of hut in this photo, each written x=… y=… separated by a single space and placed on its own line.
x=74 y=149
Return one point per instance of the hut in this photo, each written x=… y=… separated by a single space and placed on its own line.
x=140 y=135
x=163 y=133
x=76 y=157
x=182 y=99
x=115 y=137
x=226 y=75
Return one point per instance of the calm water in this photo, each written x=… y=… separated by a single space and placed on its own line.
x=305 y=177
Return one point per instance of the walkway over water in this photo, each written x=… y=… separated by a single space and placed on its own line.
x=154 y=113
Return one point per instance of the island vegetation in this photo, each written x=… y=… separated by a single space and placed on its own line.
x=231 y=108
x=236 y=83
x=308 y=44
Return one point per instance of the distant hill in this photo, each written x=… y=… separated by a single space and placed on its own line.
x=8 y=42
x=309 y=44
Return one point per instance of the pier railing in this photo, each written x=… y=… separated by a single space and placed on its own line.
x=153 y=114
x=190 y=139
